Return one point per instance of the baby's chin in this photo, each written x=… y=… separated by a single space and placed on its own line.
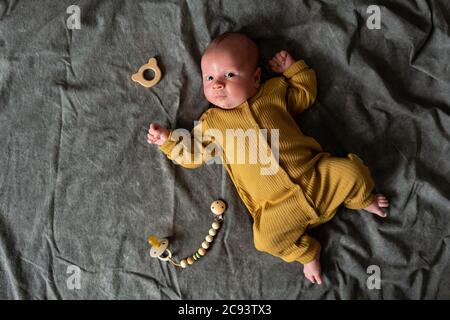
x=227 y=105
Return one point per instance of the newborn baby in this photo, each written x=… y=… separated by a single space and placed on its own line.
x=307 y=185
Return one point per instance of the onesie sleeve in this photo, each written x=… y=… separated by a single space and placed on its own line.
x=188 y=148
x=302 y=89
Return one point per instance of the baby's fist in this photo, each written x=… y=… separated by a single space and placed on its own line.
x=157 y=134
x=281 y=61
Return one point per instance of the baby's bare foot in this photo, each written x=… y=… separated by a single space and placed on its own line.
x=379 y=202
x=312 y=270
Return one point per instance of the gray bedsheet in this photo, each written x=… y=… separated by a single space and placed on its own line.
x=80 y=189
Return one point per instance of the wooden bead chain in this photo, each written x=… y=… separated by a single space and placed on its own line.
x=159 y=248
x=205 y=244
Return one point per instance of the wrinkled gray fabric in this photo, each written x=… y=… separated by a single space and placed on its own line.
x=79 y=186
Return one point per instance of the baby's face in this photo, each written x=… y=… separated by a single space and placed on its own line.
x=228 y=80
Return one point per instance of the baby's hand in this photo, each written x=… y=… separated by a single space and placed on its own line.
x=281 y=61
x=312 y=270
x=157 y=134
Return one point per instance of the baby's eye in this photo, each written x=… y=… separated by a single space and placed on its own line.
x=209 y=78
x=230 y=75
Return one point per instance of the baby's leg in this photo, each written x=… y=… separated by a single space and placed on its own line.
x=363 y=184
x=335 y=181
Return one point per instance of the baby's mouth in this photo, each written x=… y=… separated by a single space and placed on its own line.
x=219 y=96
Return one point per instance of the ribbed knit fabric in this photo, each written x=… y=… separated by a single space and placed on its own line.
x=307 y=186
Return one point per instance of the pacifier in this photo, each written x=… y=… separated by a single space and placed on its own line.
x=159 y=247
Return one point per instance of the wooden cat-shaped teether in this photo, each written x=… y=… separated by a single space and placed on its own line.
x=139 y=76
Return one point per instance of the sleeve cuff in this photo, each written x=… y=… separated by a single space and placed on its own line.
x=307 y=250
x=295 y=68
x=312 y=251
x=167 y=146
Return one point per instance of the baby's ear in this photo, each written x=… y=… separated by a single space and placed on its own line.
x=257 y=77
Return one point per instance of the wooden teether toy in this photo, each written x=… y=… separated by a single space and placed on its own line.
x=159 y=247
x=139 y=76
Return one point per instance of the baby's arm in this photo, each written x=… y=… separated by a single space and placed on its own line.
x=301 y=79
x=179 y=145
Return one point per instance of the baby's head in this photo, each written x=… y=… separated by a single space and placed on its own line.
x=230 y=70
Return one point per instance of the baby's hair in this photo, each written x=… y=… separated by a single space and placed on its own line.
x=227 y=35
x=250 y=46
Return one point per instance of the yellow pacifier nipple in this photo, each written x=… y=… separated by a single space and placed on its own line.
x=154 y=241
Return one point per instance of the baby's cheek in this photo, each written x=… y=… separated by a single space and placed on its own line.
x=208 y=98
x=206 y=92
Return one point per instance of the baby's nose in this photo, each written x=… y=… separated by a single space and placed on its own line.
x=218 y=85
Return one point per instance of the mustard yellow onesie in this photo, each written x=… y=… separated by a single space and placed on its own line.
x=307 y=185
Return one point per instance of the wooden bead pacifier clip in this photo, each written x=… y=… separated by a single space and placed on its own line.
x=139 y=76
x=159 y=247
